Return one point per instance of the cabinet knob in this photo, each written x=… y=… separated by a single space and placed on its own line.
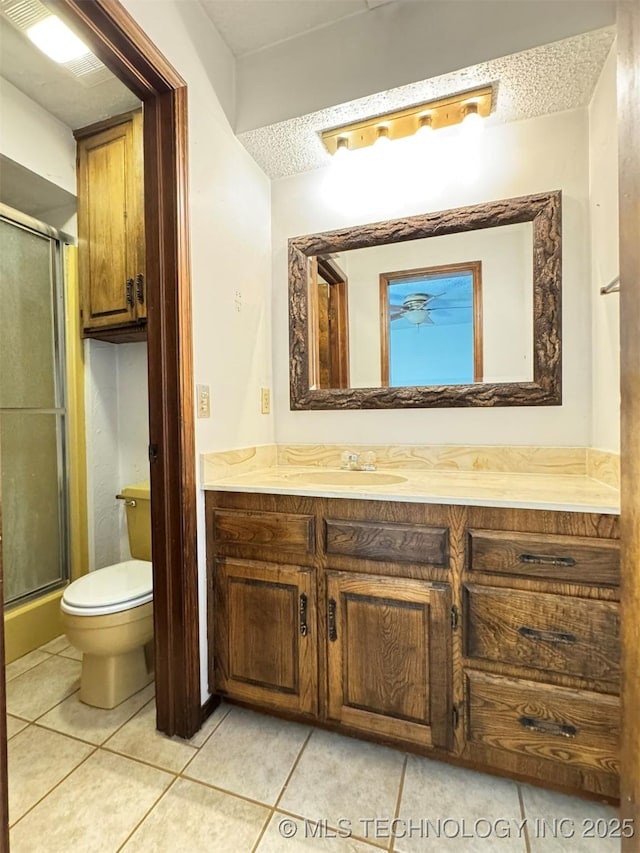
x=129 y=292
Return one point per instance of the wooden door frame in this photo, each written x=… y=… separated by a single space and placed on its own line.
x=628 y=32
x=115 y=38
x=389 y=278
x=4 y=793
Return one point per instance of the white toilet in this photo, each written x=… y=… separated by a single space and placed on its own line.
x=108 y=614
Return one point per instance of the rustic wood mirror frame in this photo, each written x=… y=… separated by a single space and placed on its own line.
x=542 y=210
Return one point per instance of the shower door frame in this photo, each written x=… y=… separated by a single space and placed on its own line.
x=118 y=41
x=58 y=240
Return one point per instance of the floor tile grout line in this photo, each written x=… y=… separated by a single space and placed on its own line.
x=132 y=717
x=293 y=769
x=53 y=788
x=523 y=815
x=263 y=831
x=147 y=813
x=399 y=800
x=146 y=763
x=28 y=669
x=49 y=728
x=215 y=728
x=182 y=775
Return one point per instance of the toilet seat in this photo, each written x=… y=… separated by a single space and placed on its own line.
x=113 y=589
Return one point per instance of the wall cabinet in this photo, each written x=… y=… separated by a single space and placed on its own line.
x=489 y=637
x=111 y=243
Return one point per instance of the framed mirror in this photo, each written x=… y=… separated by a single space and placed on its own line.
x=454 y=308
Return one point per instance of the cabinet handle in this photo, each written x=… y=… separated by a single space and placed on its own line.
x=140 y=288
x=548 y=727
x=304 y=629
x=333 y=633
x=129 y=292
x=546 y=636
x=546 y=560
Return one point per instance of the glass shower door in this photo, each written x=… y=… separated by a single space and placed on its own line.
x=33 y=474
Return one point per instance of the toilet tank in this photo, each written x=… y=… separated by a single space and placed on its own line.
x=138 y=506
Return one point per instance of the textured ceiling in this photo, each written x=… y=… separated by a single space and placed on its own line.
x=54 y=88
x=250 y=25
x=546 y=79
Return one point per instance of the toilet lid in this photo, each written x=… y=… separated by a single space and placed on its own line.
x=110 y=590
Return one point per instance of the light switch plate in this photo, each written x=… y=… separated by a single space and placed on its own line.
x=203 y=397
x=265 y=401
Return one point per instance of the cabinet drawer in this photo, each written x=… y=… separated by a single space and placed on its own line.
x=277 y=531
x=554 y=633
x=574 y=727
x=405 y=543
x=571 y=559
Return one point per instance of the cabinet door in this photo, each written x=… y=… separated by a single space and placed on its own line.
x=389 y=657
x=109 y=217
x=135 y=224
x=265 y=636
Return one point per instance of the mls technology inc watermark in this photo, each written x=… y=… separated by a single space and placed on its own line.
x=457 y=828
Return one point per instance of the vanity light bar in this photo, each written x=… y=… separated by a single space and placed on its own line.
x=435 y=114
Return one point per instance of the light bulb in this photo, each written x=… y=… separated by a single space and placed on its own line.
x=425 y=129
x=472 y=121
x=342 y=147
x=382 y=136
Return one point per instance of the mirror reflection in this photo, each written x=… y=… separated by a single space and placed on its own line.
x=342 y=306
x=455 y=309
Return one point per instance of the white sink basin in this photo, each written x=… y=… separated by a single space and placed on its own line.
x=349 y=478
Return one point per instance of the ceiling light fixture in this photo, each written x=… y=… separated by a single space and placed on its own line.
x=433 y=115
x=56 y=40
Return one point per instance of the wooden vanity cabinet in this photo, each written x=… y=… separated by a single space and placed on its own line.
x=485 y=636
x=111 y=245
x=389 y=657
x=266 y=634
x=541 y=642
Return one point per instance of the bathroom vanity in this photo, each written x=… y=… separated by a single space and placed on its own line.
x=484 y=635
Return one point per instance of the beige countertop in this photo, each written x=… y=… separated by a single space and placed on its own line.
x=548 y=491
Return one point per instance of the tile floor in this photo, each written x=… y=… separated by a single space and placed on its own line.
x=81 y=779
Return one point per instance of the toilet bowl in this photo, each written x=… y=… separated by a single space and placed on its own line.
x=108 y=615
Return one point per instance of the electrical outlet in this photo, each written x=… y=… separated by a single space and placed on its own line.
x=203 y=396
x=265 y=401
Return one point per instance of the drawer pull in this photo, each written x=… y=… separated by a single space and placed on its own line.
x=548 y=727
x=546 y=560
x=304 y=629
x=546 y=636
x=333 y=633
x=140 y=288
x=129 y=292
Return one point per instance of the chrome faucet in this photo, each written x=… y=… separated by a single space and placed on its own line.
x=351 y=461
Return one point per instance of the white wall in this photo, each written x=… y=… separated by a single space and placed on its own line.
x=603 y=166
x=536 y=155
x=35 y=139
x=117 y=415
x=230 y=251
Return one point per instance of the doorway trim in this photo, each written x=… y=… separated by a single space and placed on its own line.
x=117 y=40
